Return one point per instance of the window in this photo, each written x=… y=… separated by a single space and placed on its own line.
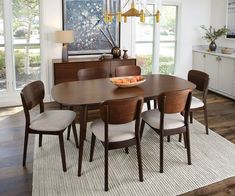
x=19 y=43
x=168 y=39
x=2 y=51
x=145 y=39
x=144 y=43
x=26 y=41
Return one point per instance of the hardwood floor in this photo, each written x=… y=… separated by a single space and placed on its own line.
x=16 y=180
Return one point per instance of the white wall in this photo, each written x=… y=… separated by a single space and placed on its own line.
x=192 y=15
x=218 y=20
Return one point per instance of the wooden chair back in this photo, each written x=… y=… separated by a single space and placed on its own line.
x=31 y=96
x=127 y=70
x=201 y=79
x=174 y=102
x=92 y=73
x=121 y=111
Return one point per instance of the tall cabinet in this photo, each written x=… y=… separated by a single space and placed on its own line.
x=220 y=68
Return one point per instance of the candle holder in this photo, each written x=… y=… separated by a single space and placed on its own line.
x=125 y=56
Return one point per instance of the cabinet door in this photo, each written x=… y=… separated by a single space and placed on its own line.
x=226 y=73
x=198 y=61
x=212 y=69
x=66 y=72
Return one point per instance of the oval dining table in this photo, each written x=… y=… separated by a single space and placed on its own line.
x=93 y=92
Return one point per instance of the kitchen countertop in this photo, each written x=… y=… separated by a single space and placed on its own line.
x=204 y=49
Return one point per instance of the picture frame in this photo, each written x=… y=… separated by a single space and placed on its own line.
x=91 y=34
x=230 y=22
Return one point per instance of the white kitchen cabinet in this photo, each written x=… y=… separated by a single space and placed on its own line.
x=198 y=61
x=220 y=68
x=212 y=69
x=226 y=75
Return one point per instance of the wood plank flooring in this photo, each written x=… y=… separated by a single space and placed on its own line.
x=16 y=180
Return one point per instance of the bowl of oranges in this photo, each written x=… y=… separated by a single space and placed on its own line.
x=127 y=81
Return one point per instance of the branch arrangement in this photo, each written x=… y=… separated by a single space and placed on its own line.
x=211 y=34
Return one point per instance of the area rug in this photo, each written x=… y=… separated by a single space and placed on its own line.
x=213 y=159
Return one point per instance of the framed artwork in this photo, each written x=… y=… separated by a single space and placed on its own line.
x=91 y=34
x=231 y=18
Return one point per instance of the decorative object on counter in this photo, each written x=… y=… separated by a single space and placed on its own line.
x=125 y=56
x=116 y=52
x=65 y=37
x=211 y=34
x=106 y=56
x=227 y=50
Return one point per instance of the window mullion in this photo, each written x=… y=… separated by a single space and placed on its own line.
x=9 y=60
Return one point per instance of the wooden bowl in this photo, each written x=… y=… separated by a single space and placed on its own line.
x=227 y=50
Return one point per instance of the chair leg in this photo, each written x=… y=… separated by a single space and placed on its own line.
x=126 y=150
x=188 y=146
x=161 y=152
x=25 y=147
x=168 y=138
x=62 y=152
x=40 y=140
x=68 y=133
x=138 y=148
x=155 y=104
x=142 y=128
x=206 y=119
x=93 y=138
x=185 y=140
x=106 y=186
x=149 y=105
x=75 y=134
x=180 y=137
x=191 y=117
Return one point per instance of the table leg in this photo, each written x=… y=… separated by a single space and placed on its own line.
x=83 y=126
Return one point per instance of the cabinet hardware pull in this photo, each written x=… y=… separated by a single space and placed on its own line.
x=204 y=56
x=218 y=58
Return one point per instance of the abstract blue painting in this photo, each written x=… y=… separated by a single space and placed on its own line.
x=86 y=19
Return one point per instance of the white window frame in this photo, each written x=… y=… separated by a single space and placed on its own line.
x=156 y=35
x=11 y=96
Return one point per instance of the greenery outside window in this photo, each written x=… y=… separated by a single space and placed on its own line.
x=19 y=43
x=167 y=45
x=168 y=34
x=144 y=42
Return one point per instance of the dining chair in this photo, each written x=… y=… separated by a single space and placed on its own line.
x=130 y=70
x=52 y=122
x=92 y=73
x=117 y=128
x=201 y=80
x=167 y=119
x=127 y=70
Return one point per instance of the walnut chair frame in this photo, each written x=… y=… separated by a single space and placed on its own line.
x=172 y=103
x=201 y=80
x=120 y=112
x=31 y=96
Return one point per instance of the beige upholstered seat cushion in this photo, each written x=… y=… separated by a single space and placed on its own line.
x=171 y=121
x=117 y=133
x=53 y=120
x=196 y=103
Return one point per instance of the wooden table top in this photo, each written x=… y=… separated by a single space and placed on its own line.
x=96 y=91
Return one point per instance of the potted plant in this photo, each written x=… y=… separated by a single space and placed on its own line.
x=211 y=34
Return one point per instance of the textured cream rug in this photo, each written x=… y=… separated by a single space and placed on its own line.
x=213 y=159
